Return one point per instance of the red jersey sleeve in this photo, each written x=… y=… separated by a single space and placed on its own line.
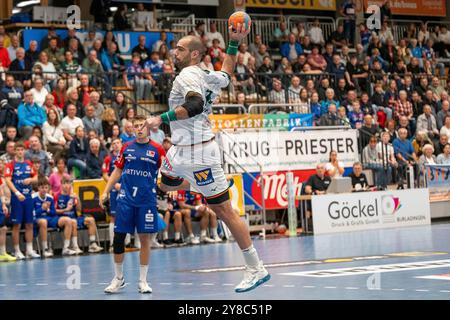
x=120 y=161
x=9 y=169
x=197 y=197
x=105 y=166
x=181 y=195
x=161 y=152
x=33 y=171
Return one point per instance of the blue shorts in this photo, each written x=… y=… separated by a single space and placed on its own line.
x=21 y=211
x=80 y=222
x=2 y=219
x=193 y=213
x=143 y=219
x=113 y=202
x=52 y=222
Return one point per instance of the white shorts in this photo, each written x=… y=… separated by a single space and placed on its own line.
x=201 y=165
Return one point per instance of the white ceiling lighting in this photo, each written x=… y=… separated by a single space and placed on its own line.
x=113 y=9
x=16 y=10
x=27 y=3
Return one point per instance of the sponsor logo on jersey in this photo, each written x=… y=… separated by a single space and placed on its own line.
x=203 y=177
x=147 y=160
x=150 y=153
x=130 y=157
x=149 y=217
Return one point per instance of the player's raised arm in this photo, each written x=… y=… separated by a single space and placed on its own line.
x=236 y=35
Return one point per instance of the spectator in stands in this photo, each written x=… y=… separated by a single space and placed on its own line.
x=379 y=104
x=157 y=135
x=404 y=123
x=291 y=49
x=98 y=47
x=404 y=153
x=403 y=107
x=39 y=92
x=214 y=34
x=36 y=151
x=12 y=49
x=348 y=10
x=277 y=94
x=89 y=41
x=446 y=127
x=440 y=144
x=385 y=33
x=128 y=133
x=428 y=54
x=10 y=153
x=368 y=130
x=48 y=68
x=109 y=120
x=120 y=18
x=442 y=45
x=206 y=63
x=254 y=46
x=20 y=67
x=316 y=60
x=154 y=66
x=356 y=116
x=93 y=67
x=315 y=108
x=350 y=99
x=135 y=80
x=112 y=62
x=29 y=114
x=298 y=65
x=317 y=184
x=143 y=52
x=84 y=90
x=366 y=106
x=386 y=154
x=119 y=105
x=78 y=151
x=72 y=98
x=5 y=36
x=13 y=93
x=359 y=179
x=135 y=16
x=77 y=50
x=337 y=67
x=5 y=61
x=108 y=39
x=431 y=101
x=337 y=38
x=444 y=112
x=294 y=90
x=59 y=93
x=341 y=90
x=95 y=102
x=355 y=75
x=54 y=53
x=11 y=135
x=280 y=35
x=330 y=117
x=70 y=69
x=427 y=122
x=70 y=122
x=215 y=51
x=444 y=158
x=372 y=160
x=54 y=140
x=329 y=99
x=94 y=160
x=56 y=177
x=92 y=122
x=128 y=115
x=199 y=30
x=334 y=168
x=315 y=33
x=342 y=115
x=427 y=158
x=241 y=78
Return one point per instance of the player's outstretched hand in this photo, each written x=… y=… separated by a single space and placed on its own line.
x=240 y=32
x=153 y=122
x=102 y=200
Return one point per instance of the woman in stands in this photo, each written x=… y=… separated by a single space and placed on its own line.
x=53 y=136
x=107 y=40
x=48 y=69
x=427 y=158
x=59 y=93
x=334 y=168
x=109 y=120
x=129 y=115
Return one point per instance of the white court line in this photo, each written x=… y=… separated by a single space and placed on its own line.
x=268 y=285
x=21 y=284
x=227 y=284
x=309 y=286
x=102 y=283
x=207 y=284
x=398 y=289
x=2 y=285
x=445 y=291
x=351 y=288
x=288 y=286
x=422 y=290
x=165 y=283
x=42 y=284
x=185 y=283
x=330 y=287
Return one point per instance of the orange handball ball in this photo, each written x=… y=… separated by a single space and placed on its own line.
x=240 y=17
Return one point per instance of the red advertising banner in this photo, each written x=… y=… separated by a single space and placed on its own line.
x=431 y=8
x=275 y=187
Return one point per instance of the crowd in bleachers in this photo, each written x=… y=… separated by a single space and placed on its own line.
x=58 y=99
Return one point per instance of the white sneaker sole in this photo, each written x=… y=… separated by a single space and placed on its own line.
x=257 y=284
x=116 y=290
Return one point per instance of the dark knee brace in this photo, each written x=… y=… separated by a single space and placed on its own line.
x=119 y=243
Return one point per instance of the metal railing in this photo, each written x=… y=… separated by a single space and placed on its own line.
x=262 y=108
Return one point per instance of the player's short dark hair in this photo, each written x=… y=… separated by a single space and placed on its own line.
x=139 y=118
x=43 y=181
x=19 y=144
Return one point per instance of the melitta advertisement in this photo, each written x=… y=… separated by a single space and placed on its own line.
x=282 y=150
x=372 y=210
x=268 y=121
x=275 y=188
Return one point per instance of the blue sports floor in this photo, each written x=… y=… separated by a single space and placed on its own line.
x=409 y=263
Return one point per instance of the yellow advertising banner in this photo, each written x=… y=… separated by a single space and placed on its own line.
x=293 y=4
x=431 y=8
x=237 y=194
x=89 y=192
x=234 y=121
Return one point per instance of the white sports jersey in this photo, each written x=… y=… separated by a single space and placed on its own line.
x=209 y=85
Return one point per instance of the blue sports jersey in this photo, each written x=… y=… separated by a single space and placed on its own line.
x=37 y=206
x=18 y=172
x=62 y=201
x=140 y=163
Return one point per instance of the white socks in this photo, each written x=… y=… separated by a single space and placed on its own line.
x=177 y=235
x=111 y=233
x=2 y=250
x=137 y=241
x=118 y=267
x=44 y=245
x=165 y=235
x=17 y=248
x=127 y=239
x=66 y=244
x=203 y=233
x=251 y=257
x=213 y=232
x=29 y=247
x=75 y=242
x=92 y=239
x=143 y=273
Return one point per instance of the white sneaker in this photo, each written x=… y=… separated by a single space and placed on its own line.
x=77 y=250
x=156 y=245
x=68 y=252
x=19 y=255
x=32 y=255
x=47 y=254
x=94 y=248
x=206 y=239
x=111 y=249
x=143 y=287
x=192 y=240
x=217 y=239
x=253 y=277
x=115 y=285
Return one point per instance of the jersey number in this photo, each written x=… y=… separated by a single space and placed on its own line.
x=135 y=189
x=208 y=96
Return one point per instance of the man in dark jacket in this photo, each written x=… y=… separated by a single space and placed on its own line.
x=78 y=151
x=21 y=68
x=94 y=161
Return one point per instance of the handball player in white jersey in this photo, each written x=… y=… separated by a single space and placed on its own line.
x=194 y=160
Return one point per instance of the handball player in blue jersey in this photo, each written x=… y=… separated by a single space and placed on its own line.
x=19 y=176
x=194 y=160
x=137 y=167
